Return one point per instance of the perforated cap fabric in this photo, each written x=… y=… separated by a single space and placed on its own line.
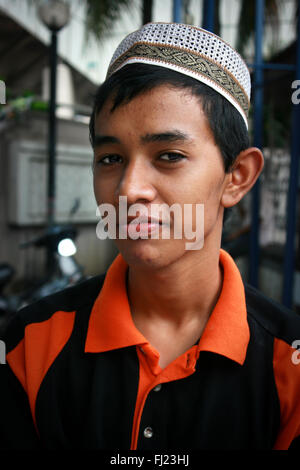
x=191 y=51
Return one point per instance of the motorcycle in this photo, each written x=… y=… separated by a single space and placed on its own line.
x=7 y=304
x=64 y=271
x=59 y=241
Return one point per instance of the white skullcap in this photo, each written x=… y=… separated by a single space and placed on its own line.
x=192 y=51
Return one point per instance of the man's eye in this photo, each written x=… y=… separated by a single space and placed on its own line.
x=171 y=157
x=109 y=160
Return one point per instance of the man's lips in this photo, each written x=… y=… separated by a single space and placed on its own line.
x=140 y=225
x=143 y=220
x=137 y=220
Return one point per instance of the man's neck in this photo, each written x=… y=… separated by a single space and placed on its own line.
x=176 y=300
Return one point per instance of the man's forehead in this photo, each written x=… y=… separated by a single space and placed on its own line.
x=159 y=95
x=167 y=112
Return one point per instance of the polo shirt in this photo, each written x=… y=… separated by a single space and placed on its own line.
x=80 y=375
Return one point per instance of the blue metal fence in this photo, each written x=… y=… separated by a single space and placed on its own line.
x=290 y=250
x=259 y=66
x=257 y=138
x=177 y=11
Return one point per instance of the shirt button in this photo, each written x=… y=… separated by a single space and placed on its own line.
x=157 y=388
x=148 y=432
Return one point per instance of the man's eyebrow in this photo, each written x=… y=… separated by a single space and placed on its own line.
x=168 y=136
x=105 y=139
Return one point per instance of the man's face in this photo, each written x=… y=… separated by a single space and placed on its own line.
x=158 y=149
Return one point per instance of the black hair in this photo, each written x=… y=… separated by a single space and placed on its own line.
x=227 y=125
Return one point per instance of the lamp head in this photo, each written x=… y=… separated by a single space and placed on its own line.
x=55 y=14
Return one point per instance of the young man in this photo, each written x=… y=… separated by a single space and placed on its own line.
x=168 y=349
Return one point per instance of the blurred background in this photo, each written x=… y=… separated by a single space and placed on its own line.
x=53 y=56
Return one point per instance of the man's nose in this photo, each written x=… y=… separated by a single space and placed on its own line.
x=136 y=183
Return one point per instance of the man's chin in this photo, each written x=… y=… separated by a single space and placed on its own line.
x=149 y=253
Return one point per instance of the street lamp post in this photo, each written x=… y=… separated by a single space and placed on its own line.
x=55 y=15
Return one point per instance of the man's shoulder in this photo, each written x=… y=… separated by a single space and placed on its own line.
x=72 y=299
x=69 y=299
x=275 y=318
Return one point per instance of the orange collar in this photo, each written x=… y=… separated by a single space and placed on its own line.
x=226 y=333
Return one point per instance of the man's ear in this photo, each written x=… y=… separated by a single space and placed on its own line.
x=243 y=175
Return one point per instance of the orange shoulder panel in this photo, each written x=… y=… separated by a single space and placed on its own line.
x=286 y=363
x=32 y=357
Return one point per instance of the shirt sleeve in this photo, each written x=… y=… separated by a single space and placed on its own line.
x=17 y=430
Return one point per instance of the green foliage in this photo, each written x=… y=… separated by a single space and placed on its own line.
x=101 y=15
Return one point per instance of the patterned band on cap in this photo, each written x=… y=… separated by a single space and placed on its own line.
x=191 y=51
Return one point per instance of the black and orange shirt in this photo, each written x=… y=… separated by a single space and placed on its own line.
x=79 y=375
